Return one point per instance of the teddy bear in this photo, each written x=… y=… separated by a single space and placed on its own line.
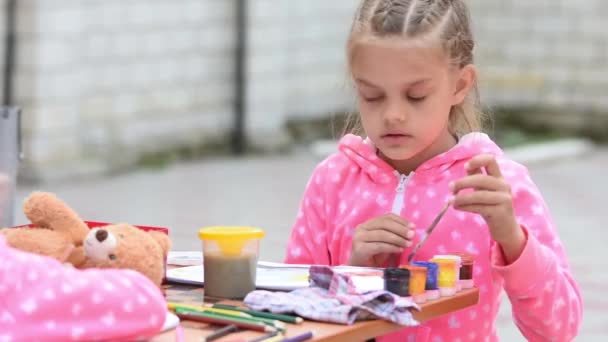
x=59 y=232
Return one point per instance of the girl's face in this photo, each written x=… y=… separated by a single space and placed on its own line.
x=405 y=94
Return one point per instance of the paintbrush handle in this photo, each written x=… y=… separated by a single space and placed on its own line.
x=429 y=230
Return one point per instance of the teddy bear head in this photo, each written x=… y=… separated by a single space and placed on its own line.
x=125 y=246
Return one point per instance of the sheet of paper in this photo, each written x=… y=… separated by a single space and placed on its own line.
x=278 y=279
x=285 y=277
x=171 y=321
x=185 y=258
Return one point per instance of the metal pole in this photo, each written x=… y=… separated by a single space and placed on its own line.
x=10 y=12
x=10 y=155
x=239 y=138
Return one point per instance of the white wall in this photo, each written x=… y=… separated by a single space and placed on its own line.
x=103 y=81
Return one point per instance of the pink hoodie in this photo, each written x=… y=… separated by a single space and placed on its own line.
x=43 y=300
x=354 y=185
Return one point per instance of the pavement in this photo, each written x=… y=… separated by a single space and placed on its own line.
x=265 y=192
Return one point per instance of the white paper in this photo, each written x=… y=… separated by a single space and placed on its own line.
x=171 y=321
x=185 y=258
x=365 y=284
x=285 y=277
x=269 y=264
x=268 y=278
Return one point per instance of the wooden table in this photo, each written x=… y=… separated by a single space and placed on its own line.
x=324 y=332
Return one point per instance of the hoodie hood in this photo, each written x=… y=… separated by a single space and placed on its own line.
x=362 y=152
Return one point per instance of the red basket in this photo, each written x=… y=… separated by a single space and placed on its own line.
x=92 y=225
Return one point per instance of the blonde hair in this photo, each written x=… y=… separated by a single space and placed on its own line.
x=448 y=20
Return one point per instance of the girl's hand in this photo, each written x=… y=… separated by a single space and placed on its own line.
x=375 y=240
x=491 y=198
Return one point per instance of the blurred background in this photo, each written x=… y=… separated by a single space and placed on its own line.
x=189 y=113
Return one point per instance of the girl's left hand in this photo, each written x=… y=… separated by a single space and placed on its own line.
x=491 y=197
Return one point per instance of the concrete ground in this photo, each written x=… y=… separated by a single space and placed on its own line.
x=265 y=192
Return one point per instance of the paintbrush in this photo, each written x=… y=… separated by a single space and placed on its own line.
x=429 y=230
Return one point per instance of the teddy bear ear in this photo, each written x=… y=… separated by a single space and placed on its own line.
x=163 y=240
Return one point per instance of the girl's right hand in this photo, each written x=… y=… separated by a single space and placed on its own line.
x=375 y=240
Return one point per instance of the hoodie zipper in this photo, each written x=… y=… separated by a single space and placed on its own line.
x=398 y=202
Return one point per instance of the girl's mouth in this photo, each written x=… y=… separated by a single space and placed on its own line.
x=395 y=138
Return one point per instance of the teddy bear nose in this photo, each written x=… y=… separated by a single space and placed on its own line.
x=101 y=235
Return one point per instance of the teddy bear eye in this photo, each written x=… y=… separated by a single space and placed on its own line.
x=112 y=257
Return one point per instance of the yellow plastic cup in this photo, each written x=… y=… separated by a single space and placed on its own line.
x=231 y=240
x=230 y=256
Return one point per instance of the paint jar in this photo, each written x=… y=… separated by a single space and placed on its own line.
x=458 y=260
x=432 y=271
x=448 y=276
x=230 y=257
x=417 y=283
x=397 y=281
x=466 y=270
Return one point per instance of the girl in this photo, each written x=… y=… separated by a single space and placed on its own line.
x=43 y=300
x=412 y=64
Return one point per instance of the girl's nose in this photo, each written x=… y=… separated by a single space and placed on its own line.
x=394 y=113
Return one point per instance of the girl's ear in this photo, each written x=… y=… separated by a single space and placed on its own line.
x=465 y=80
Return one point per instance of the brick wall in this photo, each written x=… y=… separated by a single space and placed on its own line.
x=103 y=81
x=296 y=63
x=543 y=52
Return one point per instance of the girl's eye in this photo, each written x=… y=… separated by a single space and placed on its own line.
x=373 y=98
x=416 y=98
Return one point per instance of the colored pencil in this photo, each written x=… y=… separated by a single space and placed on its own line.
x=251 y=319
x=265 y=337
x=229 y=329
x=220 y=315
x=224 y=321
x=173 y=306
x=300 y=338
x=262 y=314
x=277 y=338
x=228 y=310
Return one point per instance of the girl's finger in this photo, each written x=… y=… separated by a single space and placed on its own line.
x=480 y=197
x=384 y=236
x=400 y=220
x=482 y=162
x=389 y=226
x=476 y=164
x=476 y=208
x=373 y=248
x=493 y=168
x=479 y=182
x=477 y=171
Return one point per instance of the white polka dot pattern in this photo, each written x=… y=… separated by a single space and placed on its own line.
x=46 y=298
x=361 y=186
